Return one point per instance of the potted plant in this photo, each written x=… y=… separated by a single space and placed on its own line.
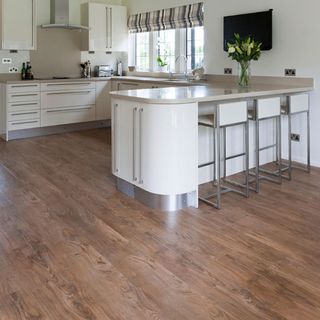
x=243 y=50
x=162 y=63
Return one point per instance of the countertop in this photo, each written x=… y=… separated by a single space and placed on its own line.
x=209 y=92
x=114 y=78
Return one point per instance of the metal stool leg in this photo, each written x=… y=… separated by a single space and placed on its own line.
x=279 y=148
x=257 y=155
x=289 y=147
x=218 y=164
x=308 y=141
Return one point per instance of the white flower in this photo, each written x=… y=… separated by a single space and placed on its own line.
x=231 y=50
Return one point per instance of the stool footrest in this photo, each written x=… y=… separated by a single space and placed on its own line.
x=265 y=178
x=205 y=164
x=235 y=156
x=268 y=147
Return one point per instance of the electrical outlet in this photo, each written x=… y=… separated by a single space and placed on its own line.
x=227 y=70
x=290 y=72
x=295 y=137
x=6 y=60
x=13 y=70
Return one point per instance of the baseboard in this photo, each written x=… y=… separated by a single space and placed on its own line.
x=36 y=132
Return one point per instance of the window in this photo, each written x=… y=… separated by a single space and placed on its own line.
x=168 y=45
x=142 y=50
x=195 y=47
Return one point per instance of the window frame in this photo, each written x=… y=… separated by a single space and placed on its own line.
x=181 y=48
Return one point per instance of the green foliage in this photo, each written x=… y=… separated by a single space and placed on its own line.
x=161 y=62
x=244 y=49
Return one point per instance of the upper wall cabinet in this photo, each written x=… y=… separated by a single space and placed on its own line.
x=108 y=27
x=18 y=24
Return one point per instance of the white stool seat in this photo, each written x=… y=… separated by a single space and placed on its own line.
x=208 y=120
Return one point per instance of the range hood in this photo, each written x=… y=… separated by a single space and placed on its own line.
x=59 y=16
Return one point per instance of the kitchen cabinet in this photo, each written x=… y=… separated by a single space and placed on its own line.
x=18 y=24
x=139 y=161
x=107 y=27
x=103 y=102
x=22 y=106
x=67 y=102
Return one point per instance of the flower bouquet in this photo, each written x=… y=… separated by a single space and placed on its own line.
x=243 y=50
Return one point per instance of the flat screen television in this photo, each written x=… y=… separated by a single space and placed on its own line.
x=258 y=25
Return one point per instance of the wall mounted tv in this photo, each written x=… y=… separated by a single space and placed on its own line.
x=258 y=25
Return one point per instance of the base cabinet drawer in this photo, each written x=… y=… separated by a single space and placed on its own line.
x=67 y=85
x=67 y=98
x=23 y=96
x=23 y=106
x=59 y=116
x=23 y=124
x=23 y=87
x=24 y=115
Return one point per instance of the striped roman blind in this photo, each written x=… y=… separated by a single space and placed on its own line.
x=173 y=18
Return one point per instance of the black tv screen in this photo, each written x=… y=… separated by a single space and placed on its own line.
x=257 y=25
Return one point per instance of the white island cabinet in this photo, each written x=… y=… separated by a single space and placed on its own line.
x=160 y=174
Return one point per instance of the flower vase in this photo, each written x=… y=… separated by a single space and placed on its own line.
x=244 y=74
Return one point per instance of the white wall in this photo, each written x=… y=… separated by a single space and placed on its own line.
x=296 y=31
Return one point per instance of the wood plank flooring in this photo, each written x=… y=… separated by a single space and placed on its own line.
x=72 y=247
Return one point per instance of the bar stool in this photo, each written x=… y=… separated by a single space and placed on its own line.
x=226 y=115
x=265 y=109
x=296 y=105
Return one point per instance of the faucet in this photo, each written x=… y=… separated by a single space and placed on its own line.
x=186 y=64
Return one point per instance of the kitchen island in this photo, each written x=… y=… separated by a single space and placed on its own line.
x=155 y=137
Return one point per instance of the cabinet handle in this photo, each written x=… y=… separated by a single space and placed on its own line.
x=24 y=85
x=24 y=104
x=134 y=144
x=68 y=109
x=68 y=84
x=111 y=38
x=107 y=27
x=140 y=144
x=24 y=95
x=23 y=113
x=68 y=92
x=24 y=122
x=115 y=123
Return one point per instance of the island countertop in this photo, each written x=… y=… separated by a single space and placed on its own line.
x=206 y=93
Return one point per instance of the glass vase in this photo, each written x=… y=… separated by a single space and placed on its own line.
x=244 y=74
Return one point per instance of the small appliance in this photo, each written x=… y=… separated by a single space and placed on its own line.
x=103 y=71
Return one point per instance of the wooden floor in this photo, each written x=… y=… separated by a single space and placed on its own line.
x=72 y=247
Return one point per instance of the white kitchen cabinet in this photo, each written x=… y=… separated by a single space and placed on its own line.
x=22 y=106
x=107 y=27
x=164 y=168
x=103 y=101
x=18 y=24
x=67 y=102
x=124 y=140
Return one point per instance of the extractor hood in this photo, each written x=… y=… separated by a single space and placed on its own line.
x=59 y=16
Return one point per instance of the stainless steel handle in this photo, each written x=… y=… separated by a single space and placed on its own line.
x=140 y=145
x=23 y=113
x=111 y=37
x=25 y=95
x=107 y=27
x=67 y=110
x=68 y=84
x=67 y=92
x=134 y=144
x=24 y=85
x=115 y=123
x=24 y=122
x=24 y=104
